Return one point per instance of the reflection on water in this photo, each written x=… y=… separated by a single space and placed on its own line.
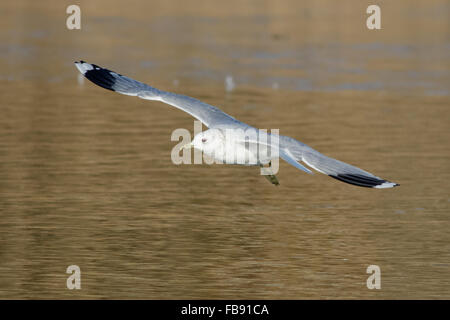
x=86 y=176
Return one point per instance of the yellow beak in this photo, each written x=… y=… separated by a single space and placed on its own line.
x=186 y=146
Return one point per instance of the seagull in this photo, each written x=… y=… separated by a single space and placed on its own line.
x=217 y=142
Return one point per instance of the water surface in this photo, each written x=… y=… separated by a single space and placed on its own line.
x=86 y=176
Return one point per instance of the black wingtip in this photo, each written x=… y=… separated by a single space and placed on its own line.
x=364 y=181
x=100 y=76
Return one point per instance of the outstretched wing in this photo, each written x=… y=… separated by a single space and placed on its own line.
x=287 y=156
x=293 y=151
x=209 y=115
x=334 y=168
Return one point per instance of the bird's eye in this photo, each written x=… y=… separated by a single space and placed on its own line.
x=204 y=140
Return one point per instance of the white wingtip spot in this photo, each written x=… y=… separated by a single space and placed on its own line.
x=84 y=66
x=387 y=184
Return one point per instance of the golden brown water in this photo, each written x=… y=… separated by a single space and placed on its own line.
x=86 y=176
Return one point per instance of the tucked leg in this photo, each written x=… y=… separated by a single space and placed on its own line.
x=271 y=177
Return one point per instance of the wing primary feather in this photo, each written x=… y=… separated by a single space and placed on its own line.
x=211 y=116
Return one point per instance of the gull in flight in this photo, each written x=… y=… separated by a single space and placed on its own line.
x=215 y=143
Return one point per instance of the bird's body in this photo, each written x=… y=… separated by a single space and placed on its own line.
x=231 y=141
x=235 y=146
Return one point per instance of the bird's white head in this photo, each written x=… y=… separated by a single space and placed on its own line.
x=209 y=141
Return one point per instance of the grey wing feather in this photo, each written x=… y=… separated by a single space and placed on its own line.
x=209 y=115
x=334 y=168
x=287 y=156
